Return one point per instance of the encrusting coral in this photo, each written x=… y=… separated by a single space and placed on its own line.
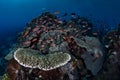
x=32 y=59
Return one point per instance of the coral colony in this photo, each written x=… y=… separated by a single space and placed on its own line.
x=53 y=49
x=31 y=58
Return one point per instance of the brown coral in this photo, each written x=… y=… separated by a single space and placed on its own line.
x=14 y=70
x=55 y=74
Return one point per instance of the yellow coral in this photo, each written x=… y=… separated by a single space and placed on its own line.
x=5 y=77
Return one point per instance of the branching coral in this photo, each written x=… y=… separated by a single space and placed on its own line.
x=32 y=59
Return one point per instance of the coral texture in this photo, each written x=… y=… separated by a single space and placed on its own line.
x=32 y=59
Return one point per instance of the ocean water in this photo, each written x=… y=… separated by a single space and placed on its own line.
x=14 y=14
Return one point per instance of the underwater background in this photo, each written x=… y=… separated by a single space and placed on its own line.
x=15 y=14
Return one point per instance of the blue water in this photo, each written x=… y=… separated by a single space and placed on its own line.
x=14 y=14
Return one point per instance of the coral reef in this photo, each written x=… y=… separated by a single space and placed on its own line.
x=111 y=66
x=112 y=42
x=54 y=49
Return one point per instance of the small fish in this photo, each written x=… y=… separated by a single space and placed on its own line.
x=107 y=46
x=32 y=46
x=38 y=32
x=28 y=42
x=68 y=40
x=42 y=46
x=51 y=39
x=64 y=38
x=76 y=35
x=45 y=28
x=26 y=33
x=95 y=33
x=61 y=31
x=56 y=12
x=73 y=14
x=70 y=26
x=83 y=31
x=44 y=22
x=48 y=41
x=71 y=37
x=53 y=44
x=65 y=14
x=35 y=39
x=60 y=21
x=35 y=29
x=89 y=28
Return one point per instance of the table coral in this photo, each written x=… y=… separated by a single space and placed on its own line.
x=33 y=59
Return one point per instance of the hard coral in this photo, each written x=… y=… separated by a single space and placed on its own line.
x=32 y=59
x=55 y=74
x=15 y=71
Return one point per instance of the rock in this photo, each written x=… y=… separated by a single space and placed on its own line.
x=93 y=66
x=9 y=56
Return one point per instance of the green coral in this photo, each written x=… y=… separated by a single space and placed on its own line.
x=33 y=59
x=5 y=77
